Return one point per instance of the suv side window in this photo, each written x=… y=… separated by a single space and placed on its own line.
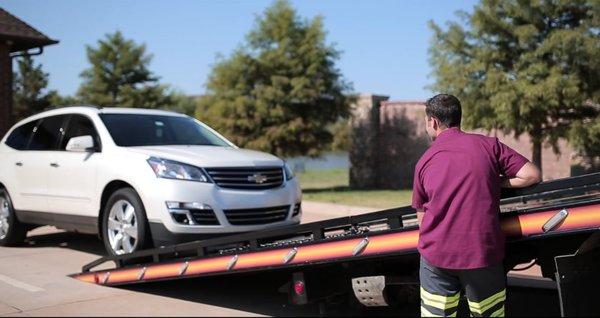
x=78 y=126
x=47 y=133
x=19 y=138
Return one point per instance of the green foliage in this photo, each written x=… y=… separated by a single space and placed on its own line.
x=182 y=103
x=29 y=85
x=29 y=90
x=280 y=90
x=586 y=136
x=524 y=66
x=57 y=100
x=342 y=135
x=119 y=76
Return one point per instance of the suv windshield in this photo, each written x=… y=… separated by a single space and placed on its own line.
x=130 y=130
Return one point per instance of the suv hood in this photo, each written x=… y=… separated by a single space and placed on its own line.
x=210 y=156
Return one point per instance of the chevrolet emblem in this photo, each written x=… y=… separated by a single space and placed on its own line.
x=258 y=178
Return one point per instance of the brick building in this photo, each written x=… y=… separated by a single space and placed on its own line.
x=16 y=39
x=390 y=137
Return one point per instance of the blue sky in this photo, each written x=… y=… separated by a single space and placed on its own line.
x=384 y=42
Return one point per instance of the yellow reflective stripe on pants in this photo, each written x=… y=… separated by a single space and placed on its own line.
x=486 y=304
x=498 y=313
x=440 y=299
x=437 y=304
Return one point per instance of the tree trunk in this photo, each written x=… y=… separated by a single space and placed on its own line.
x=536 y=151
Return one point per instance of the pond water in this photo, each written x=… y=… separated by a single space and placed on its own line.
x=331 y=160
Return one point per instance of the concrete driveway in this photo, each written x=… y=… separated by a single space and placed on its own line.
x=34 y=282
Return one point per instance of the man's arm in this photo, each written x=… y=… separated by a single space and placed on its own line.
x=528 y=175
x=420 y=213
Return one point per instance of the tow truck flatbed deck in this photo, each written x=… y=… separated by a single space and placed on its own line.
x=381 y=237
x=392 y=231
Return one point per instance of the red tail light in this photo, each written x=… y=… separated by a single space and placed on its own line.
x=299 y=287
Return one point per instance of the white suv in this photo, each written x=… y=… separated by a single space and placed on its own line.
x=137 y=177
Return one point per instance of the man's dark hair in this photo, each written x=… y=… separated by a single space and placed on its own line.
x=446 y=108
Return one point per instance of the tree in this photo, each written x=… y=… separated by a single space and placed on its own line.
x=57 y=100
x=119 y=76
x=585 y=136
x=280 y=90
x=29 y=85
x=523 y=67
x=342 y=135
x=182 y=103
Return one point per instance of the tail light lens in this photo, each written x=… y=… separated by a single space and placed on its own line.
x=299 y=287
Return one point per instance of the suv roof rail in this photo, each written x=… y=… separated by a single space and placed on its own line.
x=58 y=107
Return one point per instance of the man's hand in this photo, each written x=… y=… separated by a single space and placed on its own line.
x=528 y=175
x=420 y=214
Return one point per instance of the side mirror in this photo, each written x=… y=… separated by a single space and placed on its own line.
x=81 y=144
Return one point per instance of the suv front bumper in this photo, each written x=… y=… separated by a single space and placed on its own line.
x=165 y=230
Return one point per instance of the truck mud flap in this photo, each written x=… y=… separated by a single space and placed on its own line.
x=578 y=280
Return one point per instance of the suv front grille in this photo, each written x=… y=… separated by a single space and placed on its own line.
x=251 y=178
x=257 y=216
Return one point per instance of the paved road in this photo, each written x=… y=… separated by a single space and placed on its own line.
x=34 y=282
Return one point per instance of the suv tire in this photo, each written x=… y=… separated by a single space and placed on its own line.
x=124 y=223
x=12 y=232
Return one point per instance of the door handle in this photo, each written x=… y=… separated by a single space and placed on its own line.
x=54 y=164
x=19 y=164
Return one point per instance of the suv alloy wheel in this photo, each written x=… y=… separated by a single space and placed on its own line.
x=124 y=223
x=11 y=230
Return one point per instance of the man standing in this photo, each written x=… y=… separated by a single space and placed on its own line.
x=456 y=193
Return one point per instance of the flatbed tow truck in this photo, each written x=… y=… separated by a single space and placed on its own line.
x=374 y=256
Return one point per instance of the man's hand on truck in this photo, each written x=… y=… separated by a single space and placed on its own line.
x=420 y=213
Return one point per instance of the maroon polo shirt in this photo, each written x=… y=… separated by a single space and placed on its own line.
x=457 y=183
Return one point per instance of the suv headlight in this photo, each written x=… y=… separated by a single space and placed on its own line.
x=176 y=170
x=289 y=173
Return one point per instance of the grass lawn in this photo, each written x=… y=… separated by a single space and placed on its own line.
x=332 y=186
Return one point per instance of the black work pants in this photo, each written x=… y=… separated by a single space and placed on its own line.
x=485 y=289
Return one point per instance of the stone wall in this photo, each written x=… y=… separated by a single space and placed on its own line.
x=364 y=154
x=390 y=137
x=402 y=142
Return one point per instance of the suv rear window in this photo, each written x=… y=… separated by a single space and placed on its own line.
x=47 y=134
x=19 y=138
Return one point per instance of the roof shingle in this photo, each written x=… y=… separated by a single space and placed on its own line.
x=22 y=35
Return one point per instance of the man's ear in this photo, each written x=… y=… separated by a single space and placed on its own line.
x=436 y=124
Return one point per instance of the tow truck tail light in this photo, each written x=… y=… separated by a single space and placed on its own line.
x=298 y=295
x=299 y=287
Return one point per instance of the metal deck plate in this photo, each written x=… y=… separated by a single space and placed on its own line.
x=369 y=290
